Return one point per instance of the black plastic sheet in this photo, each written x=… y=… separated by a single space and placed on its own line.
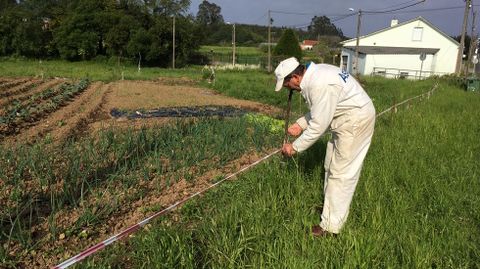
x=195 y=111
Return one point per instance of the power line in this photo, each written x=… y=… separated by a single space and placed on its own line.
x=401 y=4
x=429 y=10
x=343 y=17
x=302 y=13
x=339 y=17
x=260 y=18
x=391 y=10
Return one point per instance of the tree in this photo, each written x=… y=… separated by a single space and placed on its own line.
x=118 y=35
x=288 y=45
x=6 y=4
x=322 y=26
x=8 y=20
x=168 y=7
x=209 y=14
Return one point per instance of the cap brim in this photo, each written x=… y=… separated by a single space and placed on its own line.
x=279 y=85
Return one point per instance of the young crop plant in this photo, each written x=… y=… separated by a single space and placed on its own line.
x=38 y=106
x=48 y=180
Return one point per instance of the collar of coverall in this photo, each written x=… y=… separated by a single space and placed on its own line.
x=307 y=73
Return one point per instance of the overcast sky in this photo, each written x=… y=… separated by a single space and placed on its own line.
x=255 y=12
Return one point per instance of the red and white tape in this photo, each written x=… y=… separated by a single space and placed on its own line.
x=84 y=254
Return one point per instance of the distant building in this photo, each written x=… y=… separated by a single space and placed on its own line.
x=397 y=51
x=308 y=44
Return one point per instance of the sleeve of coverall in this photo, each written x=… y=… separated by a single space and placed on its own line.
x=303 y=121
x=324 y=104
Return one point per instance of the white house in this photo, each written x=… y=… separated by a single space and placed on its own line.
x=397 y=51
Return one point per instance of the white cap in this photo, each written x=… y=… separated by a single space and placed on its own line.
x=284 y=69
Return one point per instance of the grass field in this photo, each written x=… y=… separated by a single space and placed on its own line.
x=241 y=51
x=416 y=205
x=93 y=70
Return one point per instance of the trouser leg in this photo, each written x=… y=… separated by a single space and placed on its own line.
x=350 y=144
x=328 y=159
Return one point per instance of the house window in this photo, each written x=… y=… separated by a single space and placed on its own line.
x=344 y=62
x=417 y=34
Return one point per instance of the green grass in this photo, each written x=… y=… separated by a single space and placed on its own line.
x=93 y=70
x=416 y=205
x=227 y=50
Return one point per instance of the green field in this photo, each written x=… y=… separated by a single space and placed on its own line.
x=94 y=70
x=241 y=51
x=415 y=206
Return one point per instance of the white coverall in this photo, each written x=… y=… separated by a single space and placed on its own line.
x=337 y=100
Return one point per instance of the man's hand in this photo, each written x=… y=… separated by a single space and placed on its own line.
x=295 y=129
x=288 y=150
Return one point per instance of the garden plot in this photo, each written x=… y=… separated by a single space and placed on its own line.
x=76 y=192
x=33 y=109
x=62 y=195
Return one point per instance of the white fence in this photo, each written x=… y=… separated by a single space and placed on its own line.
x=404 y=73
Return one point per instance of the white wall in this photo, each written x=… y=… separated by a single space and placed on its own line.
x=393 y=65
x=401 y=36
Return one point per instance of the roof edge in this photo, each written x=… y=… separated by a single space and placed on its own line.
x=404 y=23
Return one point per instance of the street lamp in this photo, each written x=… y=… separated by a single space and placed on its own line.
x=233 y=43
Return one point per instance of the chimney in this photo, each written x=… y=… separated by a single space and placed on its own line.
x=394 y=22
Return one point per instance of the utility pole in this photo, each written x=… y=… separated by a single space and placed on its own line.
x=458 y=67
x=473 y=40
x=269 y=64
x=359 y=22
x=233 y=44
x=173 y=47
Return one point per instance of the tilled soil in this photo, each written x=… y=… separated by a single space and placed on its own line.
x=25 y=90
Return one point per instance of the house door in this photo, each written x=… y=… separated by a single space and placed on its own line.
x=345 y=63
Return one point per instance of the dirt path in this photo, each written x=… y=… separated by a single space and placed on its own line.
x=12 y=83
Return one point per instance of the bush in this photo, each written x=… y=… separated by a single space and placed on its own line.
x=288 y=45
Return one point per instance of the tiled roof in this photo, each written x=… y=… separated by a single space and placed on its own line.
x=310 y=42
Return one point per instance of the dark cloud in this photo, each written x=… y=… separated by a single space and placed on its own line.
x=255 y=12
